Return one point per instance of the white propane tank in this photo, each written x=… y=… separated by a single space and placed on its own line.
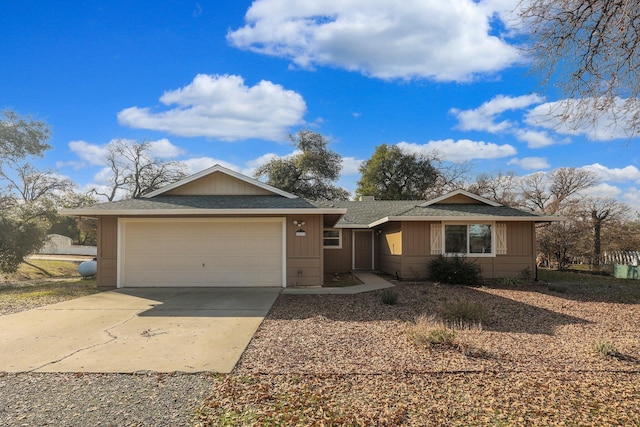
x=88 y=268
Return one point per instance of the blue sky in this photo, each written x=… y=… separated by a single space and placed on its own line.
x=225 y=81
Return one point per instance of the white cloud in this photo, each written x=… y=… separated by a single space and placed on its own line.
x=626 y=174
x=487 y=118
x=562 y=116
x=350 y=166
x=96 y=154
x=536 y=138
x=198 y=164
x=530 y=163
x=222 y=107
x=460 y=151
x=484 y=117
x=434 y=39
x=164 y=149
x=603 y=190
x=265 y=158
x=88 y=153
x=631 y=197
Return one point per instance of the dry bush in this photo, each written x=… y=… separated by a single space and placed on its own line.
x=434 y=333
x=465 y=312
x=431 y=332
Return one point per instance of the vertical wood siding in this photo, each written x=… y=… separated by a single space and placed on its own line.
x=414 y=258
x=106 y=275
x=339 y=260
x=519 y=238
x=217 y=184
x=390 y=249
x=304 y=254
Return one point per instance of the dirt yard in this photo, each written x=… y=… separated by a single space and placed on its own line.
x=552 y=353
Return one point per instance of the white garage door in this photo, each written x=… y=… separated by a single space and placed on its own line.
x=196 y=252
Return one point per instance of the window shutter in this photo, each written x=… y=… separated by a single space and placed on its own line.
x=436 y=239
x=501 y=238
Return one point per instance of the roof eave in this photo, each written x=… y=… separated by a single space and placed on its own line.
x=197 y=211
x=532 y=218
x=364 y=226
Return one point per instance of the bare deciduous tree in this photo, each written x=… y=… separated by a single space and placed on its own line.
x=135 y=171
x=550 y=193
x=32 y=185
x=601 y=211
x=502 y=188
x=558 y=241
x=589 y=50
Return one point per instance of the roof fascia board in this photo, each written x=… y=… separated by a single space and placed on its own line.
x=222 y=169
x=156 y=212
x=463 y=193
x=467 y=219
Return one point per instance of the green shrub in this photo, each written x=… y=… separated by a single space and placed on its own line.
x=389 y=296
x=557 y=288
x=465 y=312
x=455 y=270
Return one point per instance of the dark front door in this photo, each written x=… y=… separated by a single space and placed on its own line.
x=363 y=250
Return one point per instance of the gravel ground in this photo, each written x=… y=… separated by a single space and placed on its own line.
x=351 y=360
x=150 y=399
x=525 y=329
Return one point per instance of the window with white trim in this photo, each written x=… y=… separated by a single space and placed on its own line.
x=332 y=238
x=468 y=239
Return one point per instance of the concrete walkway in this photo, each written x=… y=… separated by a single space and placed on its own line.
x=370 y=282
x=131 y=330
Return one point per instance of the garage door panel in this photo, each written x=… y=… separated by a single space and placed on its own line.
x=203 y=253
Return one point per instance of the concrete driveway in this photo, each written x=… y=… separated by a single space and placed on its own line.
x=131 y=330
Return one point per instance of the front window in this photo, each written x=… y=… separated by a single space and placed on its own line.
x=332 y=238
x=468 y=239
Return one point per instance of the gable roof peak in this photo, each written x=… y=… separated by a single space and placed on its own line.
x=460 y=192
x=220 y=169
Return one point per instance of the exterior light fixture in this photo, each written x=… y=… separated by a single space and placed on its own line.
x=300 y=232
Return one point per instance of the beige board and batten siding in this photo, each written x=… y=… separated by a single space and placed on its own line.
x=413 y=259
x=107 y=269
x=416 y=249
x=521 y=251
x=390 y=248
x=304 y=253
x=338 y=260
x=219 y=184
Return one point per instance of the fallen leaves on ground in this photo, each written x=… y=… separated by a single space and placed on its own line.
x=350 y=360
x=443 y=399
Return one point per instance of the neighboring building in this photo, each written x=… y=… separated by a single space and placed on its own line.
x=58 y=244
x=221 y=228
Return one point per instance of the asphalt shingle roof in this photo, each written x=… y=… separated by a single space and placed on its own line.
x=367 y=212
x=206 y=202
x=466 y=210
x=359 y=213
